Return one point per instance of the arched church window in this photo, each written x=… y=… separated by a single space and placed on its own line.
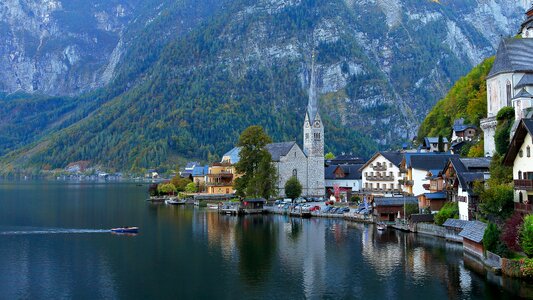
x=295 y=173
x=509 y=93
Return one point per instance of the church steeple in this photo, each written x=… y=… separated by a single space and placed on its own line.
x=313 y=128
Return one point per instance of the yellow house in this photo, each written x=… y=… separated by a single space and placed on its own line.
x=220 y=178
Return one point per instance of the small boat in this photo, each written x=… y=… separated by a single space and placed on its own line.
x=212 y=206
x=126 y=229
x=381 y=226
x=174 y=201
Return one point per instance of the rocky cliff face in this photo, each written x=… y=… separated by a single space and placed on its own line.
x=195 y=67
x=60 y=47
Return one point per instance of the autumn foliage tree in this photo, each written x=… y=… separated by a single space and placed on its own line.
x=510 y=235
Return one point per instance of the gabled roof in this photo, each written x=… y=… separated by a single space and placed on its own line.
x=200 y=171
x=277 y=150
x=455 y=223
x=476 y=163
x=233 y=155
x=524 y=128
x=394 y=201
x=466 y=178
x=474 y=231
x=427 y=161
x=522 y=94
x=513 y=55
x=351 y=172
x=527 y=80
x=394 y=157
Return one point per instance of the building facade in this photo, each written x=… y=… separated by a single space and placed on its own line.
x=381 y=174
x=510 y=81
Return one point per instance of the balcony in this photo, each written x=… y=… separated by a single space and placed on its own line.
x=523 y=184
x=380 y=178
x=220 y=183
x=523 y=208
x=380 y=168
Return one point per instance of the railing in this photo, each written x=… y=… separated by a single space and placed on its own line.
x=220 y=184
x=380 y=178
x=523 y=184
x=380 y=168
x=523 y=208
x=221 y=175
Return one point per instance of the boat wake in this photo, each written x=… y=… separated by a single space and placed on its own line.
x=53 y=231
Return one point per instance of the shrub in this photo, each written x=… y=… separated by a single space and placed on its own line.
x=526 y=235
x=510 y=235
x=491 y=237
x=293 y=188
x=450 y=210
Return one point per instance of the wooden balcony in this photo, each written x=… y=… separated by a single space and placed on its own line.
x=523 y=184
x=523 y=208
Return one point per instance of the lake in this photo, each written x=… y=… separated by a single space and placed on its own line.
x=54 y=244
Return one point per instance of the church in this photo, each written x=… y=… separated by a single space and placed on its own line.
x=306 y=164
x=510 y=81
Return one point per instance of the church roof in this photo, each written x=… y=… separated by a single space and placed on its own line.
x=513 y=55
x=523 y=94
x=527 y=80
x=277 y=150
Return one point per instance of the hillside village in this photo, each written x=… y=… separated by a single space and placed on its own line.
x=432 y=176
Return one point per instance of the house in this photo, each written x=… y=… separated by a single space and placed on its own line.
x=199 y=177
x=435 y=196
x=188 y=170
x=220 y=179
x=455 y=225
x=519 y=157
x=463 y=132
x=346 y=177
x=389 y=208
x=381 y=174
x=510 y=81
x=431 y=144
x=472 y=235
x=416 y=167
x=461 y=174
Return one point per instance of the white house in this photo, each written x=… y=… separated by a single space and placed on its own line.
x=520 y=157
x=417 y=166
x=510 y=81
x=381 y=174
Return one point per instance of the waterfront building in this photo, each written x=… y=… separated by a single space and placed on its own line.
x=415 y=167
x=472 y=235
x=390 y=208
x=519 y=157
x=343 y=173
x=436 y=196
x=461 y=174
x=220 y=178
x=199 y=177
x=510 y=81
x=381 y=174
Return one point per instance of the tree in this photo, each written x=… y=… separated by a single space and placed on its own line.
x=166 y=188
x=511 y=231
x=497 y=203
x=180 y=183
x=505 y=119
x=190 y=188
x=293 y=188
x=441 y=144
x=329 y=155
x=491 y=237
x=526 y=235
x=450 y=210
x=255 y=163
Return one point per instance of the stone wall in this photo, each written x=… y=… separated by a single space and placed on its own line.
x=294 y=162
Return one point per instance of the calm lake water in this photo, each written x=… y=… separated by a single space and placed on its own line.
x=53 y=244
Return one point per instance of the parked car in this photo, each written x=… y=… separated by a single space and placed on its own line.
x=299 y=200
x=314 y=208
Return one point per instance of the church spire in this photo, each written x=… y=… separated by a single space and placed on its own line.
x=312 y=106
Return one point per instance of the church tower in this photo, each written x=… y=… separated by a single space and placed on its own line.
x=313 y=141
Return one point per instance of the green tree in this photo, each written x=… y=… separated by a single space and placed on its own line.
x=191 y=188
x=441 y=144
x=450 y=210
x=526 y=235
x=329 y=155
x=166 y=188
x=491 y=237
x=505 y=119
x=497 y=203
x=293 y=188
x=180 y=183
x=255 y=163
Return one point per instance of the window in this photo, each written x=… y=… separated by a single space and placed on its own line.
x=294 y=153
x=366 y=174
x=390 y=165
x=528 y=151
x=509 y=95
x=392 y=186
x=390 y=174
x=295 y=173
x=317 y=136
x=521 y=153
x=377 y=185
x=519 y=175
x=307 y=136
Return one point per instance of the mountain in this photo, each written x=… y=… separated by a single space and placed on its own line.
x=182 y=79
